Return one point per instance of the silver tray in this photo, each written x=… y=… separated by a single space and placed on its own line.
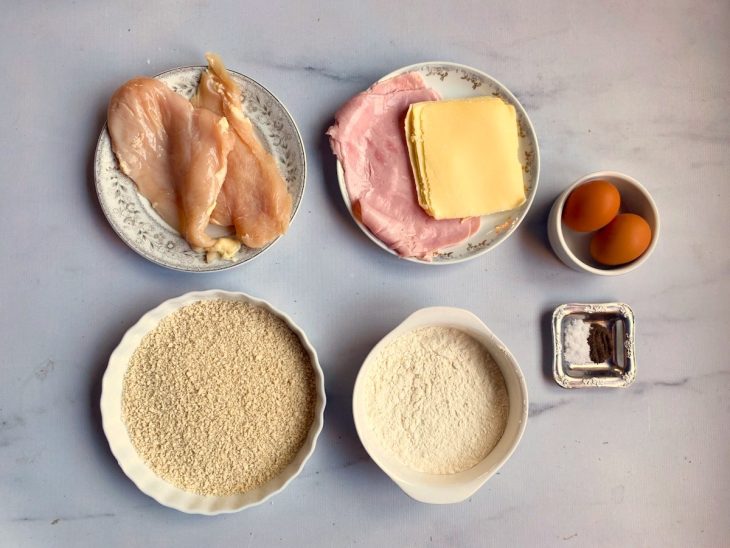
x=619 y=370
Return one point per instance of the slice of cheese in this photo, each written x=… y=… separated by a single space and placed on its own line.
x=464 y=155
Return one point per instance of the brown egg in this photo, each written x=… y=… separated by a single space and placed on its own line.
x=622 y=240
x=591 y=206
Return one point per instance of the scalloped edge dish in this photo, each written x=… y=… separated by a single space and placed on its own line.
x=133 y=465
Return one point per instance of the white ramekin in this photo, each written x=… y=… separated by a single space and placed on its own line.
x=573 y=248
x=447 y=488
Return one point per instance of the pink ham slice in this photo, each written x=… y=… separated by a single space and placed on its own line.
x=368 y=138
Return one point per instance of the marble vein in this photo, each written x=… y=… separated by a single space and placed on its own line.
x=716 y=278
x=642 y=387
x=337 y=468
x=499 y=515
x=537 y=409
x=321 y=71
x=57 y=519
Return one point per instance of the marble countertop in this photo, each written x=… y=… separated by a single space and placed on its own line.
x=639 y=88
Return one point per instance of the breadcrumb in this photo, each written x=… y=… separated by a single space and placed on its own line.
x=219 y=397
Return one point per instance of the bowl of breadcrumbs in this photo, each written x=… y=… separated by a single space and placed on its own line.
x=212 y=402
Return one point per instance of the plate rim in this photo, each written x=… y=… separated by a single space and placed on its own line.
x=111 y=418
x=224 y=265
x=502 y=237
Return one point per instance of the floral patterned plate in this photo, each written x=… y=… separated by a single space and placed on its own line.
x=455 y=81
x=131 y=215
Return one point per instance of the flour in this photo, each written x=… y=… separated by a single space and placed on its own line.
x=436 y=400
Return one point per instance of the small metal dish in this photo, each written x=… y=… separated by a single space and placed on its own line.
x=619 y=370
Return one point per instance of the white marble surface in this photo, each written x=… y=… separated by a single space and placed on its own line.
x=635 y=87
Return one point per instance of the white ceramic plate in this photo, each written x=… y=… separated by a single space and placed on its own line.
x=131 y=215
x=447 y=488
x=455 y=81
x=133 y=465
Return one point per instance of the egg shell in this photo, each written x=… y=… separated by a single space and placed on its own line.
x=624 y=239
x=591 y=206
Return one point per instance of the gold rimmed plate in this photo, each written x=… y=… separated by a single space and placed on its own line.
x=456 y=81
x=135 y=221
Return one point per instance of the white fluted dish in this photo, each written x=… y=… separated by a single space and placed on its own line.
x=132 y=464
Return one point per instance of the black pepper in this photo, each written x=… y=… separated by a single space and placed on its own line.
x=600 y=343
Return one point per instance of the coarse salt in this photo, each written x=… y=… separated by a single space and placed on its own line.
x=575 y=342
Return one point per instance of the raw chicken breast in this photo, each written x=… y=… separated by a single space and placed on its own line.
x=254 y=198
x=368 y=137
x=175 y=153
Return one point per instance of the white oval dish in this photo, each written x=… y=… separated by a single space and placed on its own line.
x=447 y=488
x=573 y=248
x=456 y=81
x=135 y=221
x=130 y=461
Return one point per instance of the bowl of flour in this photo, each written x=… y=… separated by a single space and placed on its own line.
x=440 y=404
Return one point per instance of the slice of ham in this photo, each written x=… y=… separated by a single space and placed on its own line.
x=368 y=138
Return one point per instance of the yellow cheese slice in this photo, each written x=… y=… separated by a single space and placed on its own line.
x=464 y=155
